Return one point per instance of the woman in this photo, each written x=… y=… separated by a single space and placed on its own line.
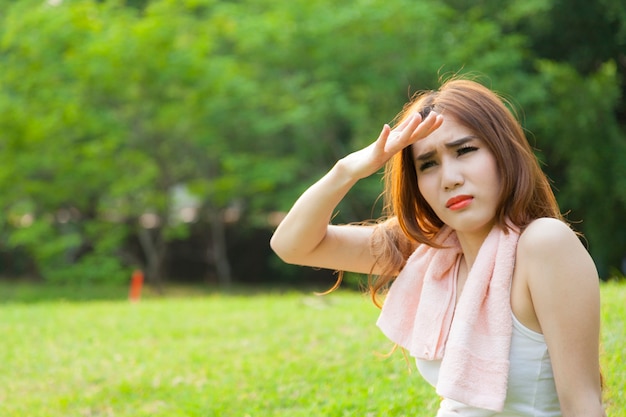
x=491 y=291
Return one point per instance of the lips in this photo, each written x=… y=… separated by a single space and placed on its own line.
x=459 y=202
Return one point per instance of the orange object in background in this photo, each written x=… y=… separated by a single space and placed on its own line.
x=136 y=282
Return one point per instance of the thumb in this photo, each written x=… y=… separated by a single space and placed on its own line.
x=382 y=138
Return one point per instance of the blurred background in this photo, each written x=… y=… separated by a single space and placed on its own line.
x=171 y=136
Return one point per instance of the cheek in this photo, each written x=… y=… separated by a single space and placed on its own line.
x=490 y=171
x=491 y=167
x=427 y=187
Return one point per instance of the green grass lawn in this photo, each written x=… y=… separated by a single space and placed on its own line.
x=270 y=354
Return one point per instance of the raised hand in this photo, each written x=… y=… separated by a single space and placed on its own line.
x=370 y=159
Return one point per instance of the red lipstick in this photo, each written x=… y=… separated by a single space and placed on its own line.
x=459 y=202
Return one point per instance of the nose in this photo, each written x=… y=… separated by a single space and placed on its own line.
x=451 y=176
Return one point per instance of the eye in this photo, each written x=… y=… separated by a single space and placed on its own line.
x=426 y=164
x=466 y=149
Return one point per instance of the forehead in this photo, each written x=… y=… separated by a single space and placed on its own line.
x=450 y=130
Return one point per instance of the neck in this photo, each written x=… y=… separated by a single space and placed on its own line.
x=470 y=245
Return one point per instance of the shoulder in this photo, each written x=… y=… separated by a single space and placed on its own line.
x=551 y=251
x=547 y=230
x=545 y=237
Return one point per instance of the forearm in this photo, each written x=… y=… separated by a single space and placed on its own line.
x=585 y=401
x=306 y=223
x=593 y=408
x=304 y=237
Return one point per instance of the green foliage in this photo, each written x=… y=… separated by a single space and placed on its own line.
x=288 y=354
x=56 y=156
x=107 y=106
x=584 y=153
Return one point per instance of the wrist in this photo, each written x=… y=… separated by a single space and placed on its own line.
x=344 y=174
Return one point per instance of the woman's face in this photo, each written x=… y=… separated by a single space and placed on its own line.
x=458 y=177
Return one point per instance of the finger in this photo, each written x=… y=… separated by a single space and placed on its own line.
x=435 y=123
x=430 y=119
x=416 y=122
x=401 y=136
x=429 y=125
x=433 y=119
x=382 y=138
x=438 y=122
x=413 y=119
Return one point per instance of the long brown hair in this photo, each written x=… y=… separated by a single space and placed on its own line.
x=408 y=220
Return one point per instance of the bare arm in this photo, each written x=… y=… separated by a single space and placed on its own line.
x=564 y=288
x=305 y=236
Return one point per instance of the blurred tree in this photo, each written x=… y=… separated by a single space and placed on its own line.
x=55 y=157
x=130 y=121
x=336 y=73
x=108 y=107
x=585 y=150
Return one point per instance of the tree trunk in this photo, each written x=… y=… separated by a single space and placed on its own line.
x=153 y=247
x=218 y=252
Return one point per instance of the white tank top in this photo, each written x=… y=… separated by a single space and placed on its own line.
x=531 y=391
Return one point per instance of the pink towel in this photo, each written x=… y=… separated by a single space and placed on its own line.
x=419 y=315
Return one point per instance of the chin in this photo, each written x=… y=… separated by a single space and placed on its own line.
x=471 y=224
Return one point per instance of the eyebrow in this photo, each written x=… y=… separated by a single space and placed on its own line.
x=450 y=145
